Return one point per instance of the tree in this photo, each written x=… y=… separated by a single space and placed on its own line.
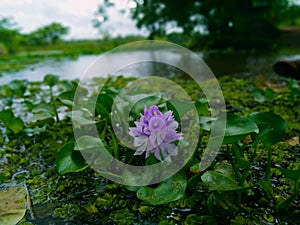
x=9 y=34
x=231 y=23
x=101 y=17
x=49 y=34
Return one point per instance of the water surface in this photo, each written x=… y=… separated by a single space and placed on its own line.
x=232 y=63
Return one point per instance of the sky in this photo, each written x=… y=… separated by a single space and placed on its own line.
x=76 y=14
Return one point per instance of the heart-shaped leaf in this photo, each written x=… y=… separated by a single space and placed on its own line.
x=271 y=128
x=168 y=190
x=69 y=160
x=237 y=127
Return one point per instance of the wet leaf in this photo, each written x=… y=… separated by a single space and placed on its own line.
x=12 y=203
x=216 y=181
x=104 y=104
x=69 y=160
x=221 y=178
x=167 y=191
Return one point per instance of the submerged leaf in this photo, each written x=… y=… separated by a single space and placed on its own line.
x=12 y=203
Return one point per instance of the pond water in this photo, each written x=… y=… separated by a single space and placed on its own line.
x=231 y=63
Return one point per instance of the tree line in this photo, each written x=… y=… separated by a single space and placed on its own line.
x=235 y=24
x=218 y=24
x=11 y=37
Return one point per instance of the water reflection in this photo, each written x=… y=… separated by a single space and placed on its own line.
x=229 y=63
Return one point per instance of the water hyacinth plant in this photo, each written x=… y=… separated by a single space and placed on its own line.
x=155 y=133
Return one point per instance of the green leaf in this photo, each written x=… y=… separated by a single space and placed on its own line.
x=179 y=108
x=87 y=143
x=51 y=80
x=6 y=115
x=215 y=181
x=225 y=168
x=271 y=128
x=15 y=124
x=79 y=118
x=240 y=161
x=168 y=190
x=202 y=106
x=18 y=87
x=141 y=100
x=221 y=178
x=69 y=160
x=12 y=203
x=44 y=107
x=66 y=98
x=5 y=91
x=237 y=127
x=104 y=104
x=5 y=175
x=11 y=122
x=41 y=116
x=290 y=174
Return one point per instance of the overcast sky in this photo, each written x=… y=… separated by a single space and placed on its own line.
x=76 y=14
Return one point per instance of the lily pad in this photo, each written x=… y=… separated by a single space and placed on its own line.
x=12 y=203
x=168 y=190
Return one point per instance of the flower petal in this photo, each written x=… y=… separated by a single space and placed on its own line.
x=141 y=149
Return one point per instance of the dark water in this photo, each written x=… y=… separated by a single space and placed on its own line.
x=230 y=63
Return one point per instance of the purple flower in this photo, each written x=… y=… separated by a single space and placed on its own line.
x=154 y=133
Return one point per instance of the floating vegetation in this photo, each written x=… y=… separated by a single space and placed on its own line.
x=254 y=178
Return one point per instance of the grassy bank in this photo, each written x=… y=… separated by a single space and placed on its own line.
x=27 y=55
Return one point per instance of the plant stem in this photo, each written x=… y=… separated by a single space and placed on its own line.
x=54 y=104
x=269 y=164
x=246 y=172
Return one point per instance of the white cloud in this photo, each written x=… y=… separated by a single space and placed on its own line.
x=77 y=14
